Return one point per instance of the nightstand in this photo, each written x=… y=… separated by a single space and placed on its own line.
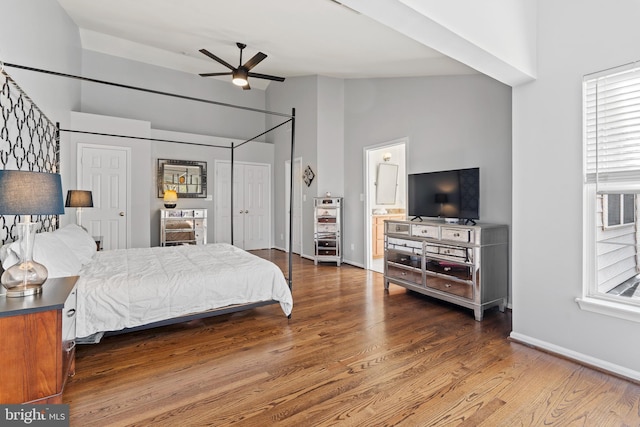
x=38 y=343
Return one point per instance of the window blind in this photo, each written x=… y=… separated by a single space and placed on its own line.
x=612 y=128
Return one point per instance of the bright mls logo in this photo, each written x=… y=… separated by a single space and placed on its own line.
x=34 y=415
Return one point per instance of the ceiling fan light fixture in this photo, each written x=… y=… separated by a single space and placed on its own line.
x=240 y=77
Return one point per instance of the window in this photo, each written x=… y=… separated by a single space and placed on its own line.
x=611 y=116
x=618 y=209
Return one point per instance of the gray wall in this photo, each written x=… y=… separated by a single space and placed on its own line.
x=39 y=34
x=450 y=122
x=547 y=183
x=300 y=93
x=330 y=136
x=164 y=112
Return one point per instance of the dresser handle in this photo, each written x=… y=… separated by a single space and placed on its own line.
x=71 y=312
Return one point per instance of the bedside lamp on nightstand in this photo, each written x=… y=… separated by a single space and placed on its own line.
x=28 y=193
x=79 y=199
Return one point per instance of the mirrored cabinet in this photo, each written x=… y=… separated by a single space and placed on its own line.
x=183 y=227
x=462 y=264
x=327 y=230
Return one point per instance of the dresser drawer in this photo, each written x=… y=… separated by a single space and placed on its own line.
x=332 y=212
x=457 y=234
x=404 y=274
x=327 y=252
x=327 y=227
x=398 y=228
x=327 y=220
x=419 y=230
x=327 y=243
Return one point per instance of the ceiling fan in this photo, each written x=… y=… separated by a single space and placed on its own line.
x=241 y=74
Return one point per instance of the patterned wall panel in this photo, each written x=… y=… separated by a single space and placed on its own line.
x=28 y=141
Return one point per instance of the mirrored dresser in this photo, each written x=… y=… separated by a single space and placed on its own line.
x=183 y=227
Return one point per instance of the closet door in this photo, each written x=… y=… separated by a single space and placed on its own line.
x=251 y=200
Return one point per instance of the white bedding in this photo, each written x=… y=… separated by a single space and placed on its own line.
x=133 y=287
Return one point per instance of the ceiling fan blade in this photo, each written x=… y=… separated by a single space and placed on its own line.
x=267 y=77
x=254 y=61
x=215 y=58
x=214 y=74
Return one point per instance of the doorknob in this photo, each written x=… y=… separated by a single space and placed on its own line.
x=121 y=213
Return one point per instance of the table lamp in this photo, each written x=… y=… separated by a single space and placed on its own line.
x=170 y=199
x=28 y=193
x=79 y=199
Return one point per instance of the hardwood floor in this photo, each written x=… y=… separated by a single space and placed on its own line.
x=350 y=355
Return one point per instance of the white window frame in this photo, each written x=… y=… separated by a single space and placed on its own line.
x=612 y=168
x=606 y=198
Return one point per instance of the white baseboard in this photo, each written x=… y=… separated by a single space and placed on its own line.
x=578 y=357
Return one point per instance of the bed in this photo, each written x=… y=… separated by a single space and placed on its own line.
x=70 y=251
x=137 y=288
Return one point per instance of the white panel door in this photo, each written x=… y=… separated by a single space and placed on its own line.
x=256 y=181
x=104 y=171
x=252 y=204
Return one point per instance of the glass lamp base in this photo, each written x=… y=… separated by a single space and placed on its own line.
x=24 y=279
x=23 y=291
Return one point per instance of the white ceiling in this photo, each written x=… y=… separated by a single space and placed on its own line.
x=299 y=37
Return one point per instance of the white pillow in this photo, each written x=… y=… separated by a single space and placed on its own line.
x=7 y=256
x=79 y=241
x=49 y=251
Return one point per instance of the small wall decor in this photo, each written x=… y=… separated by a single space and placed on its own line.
x=308 y=176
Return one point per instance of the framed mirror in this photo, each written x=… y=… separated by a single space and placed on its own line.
x=386 y=183
x=188 y=178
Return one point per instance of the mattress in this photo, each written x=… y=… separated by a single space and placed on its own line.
x=126 y=288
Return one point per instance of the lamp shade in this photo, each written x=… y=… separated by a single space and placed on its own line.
x=79 y=199
x=30 y=193
x=170 y=196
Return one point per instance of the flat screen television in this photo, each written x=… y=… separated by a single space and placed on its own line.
x=445 y=194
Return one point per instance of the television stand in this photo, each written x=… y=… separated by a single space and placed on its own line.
x=467 y=265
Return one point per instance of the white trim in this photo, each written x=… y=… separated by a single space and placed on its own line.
x=609 y=308
x=579 y=357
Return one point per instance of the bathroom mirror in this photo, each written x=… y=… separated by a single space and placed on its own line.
x=188 y=178
x=386 y=184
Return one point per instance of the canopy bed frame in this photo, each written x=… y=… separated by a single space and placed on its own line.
x=17 y=108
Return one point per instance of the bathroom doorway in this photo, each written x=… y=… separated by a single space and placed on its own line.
x=385 y=195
